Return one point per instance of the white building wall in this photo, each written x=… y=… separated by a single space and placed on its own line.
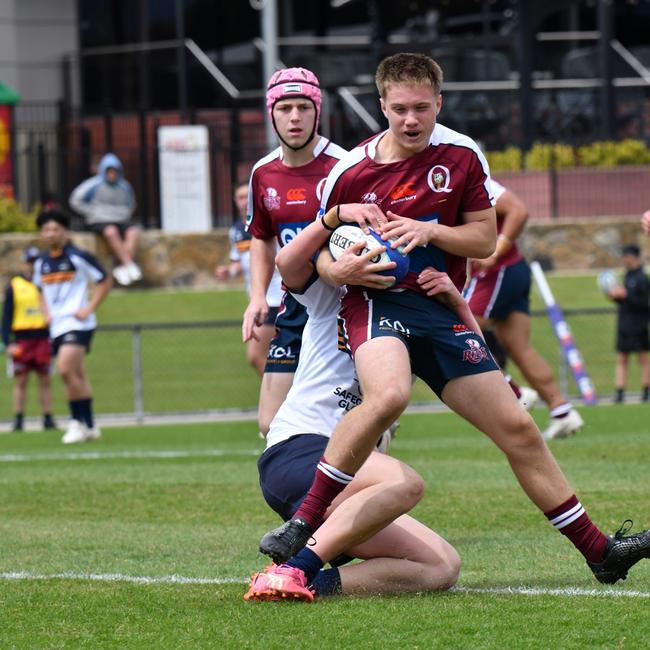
x=34 y=37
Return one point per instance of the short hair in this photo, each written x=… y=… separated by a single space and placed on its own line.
x=53 y=215
x=631 y=249
x=408 y=67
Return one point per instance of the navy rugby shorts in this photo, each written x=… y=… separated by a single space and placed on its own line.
x=440 y=346
x=500 y=291
x=284 y=350
x=287 y=471
x=76 y=337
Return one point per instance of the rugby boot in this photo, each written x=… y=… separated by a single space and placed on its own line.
x=528 y=397
x=285 y=541
x=278 y=582
x=571 y=423
x=386 y=438
x=621 y=553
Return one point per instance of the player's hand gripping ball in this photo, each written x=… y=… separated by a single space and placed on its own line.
x=347 y=235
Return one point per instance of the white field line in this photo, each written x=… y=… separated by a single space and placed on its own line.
x=184 y=580
x=543 y=591
x=101 y=455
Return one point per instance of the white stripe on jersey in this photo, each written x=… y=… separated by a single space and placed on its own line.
x=369 y=300
x=348 y=160
x=497 y=189
x=495 y=292
x=444 y=135
x=276 y=153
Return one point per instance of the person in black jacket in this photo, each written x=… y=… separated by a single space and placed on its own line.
x=633 y=298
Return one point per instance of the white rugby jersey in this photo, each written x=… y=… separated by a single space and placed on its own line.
x=325 y=385
x=63 y=278
x=240 y=245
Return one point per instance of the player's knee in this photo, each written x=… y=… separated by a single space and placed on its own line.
x=255 y=360
x=443 y=573
x=389 y=403
x=110 y=231
x=412 y=488
x=450 y=569
x=65 y=371
x=522 y=432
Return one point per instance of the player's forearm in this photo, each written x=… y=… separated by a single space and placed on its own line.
x=100 y=292
x=464 y=313
x=325 y=265
x=475 y=239
x=514 y=214
x=294 y=260
x=262 y=264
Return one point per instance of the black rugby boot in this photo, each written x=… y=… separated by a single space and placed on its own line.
x=285 y=541
x=622 y=553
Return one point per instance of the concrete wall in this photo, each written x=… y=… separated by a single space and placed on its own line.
x=189 y=260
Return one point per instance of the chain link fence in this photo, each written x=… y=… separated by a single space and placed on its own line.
x=175 y=368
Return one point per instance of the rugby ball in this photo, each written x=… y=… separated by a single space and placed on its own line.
x=607 y=280
x=347 y=235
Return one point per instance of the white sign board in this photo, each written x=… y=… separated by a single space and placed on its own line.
x=184 y=179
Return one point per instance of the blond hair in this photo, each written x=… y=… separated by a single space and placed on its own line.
x=410 y=68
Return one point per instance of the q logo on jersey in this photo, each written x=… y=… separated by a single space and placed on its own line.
x=439 y=178
x=291 y=230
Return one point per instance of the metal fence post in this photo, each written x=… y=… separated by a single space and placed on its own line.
x=138 y=386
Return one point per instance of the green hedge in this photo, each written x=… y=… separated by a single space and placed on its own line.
x=544 y=156
x=14 y=219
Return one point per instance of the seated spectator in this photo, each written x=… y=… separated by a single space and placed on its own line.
x=106 y=202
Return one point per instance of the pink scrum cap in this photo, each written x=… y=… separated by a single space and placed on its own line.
x=290 y=83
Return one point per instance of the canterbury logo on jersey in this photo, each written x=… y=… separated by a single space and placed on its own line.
x=297 y=194
x=402 y=191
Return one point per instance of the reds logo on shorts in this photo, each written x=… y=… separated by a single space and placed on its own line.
x=476 y=352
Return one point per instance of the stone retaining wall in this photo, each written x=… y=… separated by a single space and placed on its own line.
x=189 y=260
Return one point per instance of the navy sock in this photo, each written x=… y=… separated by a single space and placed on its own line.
x=86 y=406
x=327 y=582
x=307 y=561
x=76 y=410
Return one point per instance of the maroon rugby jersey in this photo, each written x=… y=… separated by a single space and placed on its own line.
x=448 y=178
x=283 y=200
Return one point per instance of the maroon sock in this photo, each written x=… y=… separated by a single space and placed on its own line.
x=328 y=483
x=514 y=385
x=572 y=520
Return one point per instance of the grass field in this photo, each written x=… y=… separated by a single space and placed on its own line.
x=204 y=368
x=145 y=540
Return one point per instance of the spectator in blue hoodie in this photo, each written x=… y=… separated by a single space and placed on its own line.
x=106 y=201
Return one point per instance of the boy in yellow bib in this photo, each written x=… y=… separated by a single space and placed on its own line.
x=25 y=337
